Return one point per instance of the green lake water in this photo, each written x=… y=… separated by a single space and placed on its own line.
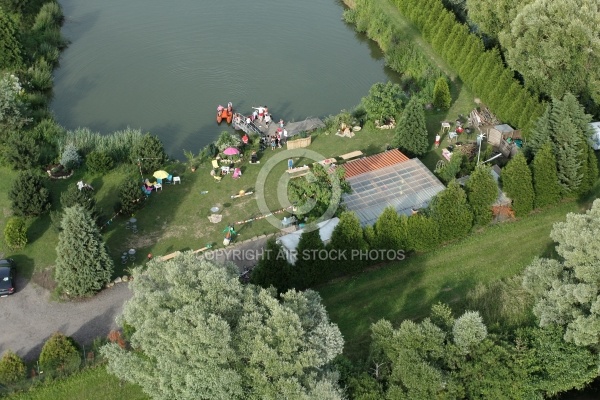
x=164 y=67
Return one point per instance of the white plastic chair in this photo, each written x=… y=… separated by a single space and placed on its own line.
x=158 y=186
x=176 y=179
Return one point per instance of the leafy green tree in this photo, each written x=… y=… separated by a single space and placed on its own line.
x=149 y=153
x=12 y=107
x=226 y=139
x=201 y=334
x=347 y=236
x=10 y=49
x=482 y=192
x=29 y=195
x=383 y=101
x=557 y=366
x=518 y=185
x=22 y=152
x=445 y=358
x=130 y=196
x=423 y=233
x=494 y=16
x=411 y=133
x=468 y=331
x=449 y=209
x=545 y=178
x=319 y=193
x=12 y=369
x=560 y=62
x=15 y=233
x=441 y=94
x=273 y=269
x=83 y=265
x=566 y=291
x=59 y=356
x=72 y=196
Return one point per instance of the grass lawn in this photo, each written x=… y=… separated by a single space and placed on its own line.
x=90 y=384
x=408 y=289
x=175 y=218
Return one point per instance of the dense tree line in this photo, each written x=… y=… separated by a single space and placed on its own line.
x=483 y=71
x=559 y=63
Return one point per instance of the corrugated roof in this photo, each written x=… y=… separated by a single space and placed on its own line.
x=371 y=163
x=404 y=186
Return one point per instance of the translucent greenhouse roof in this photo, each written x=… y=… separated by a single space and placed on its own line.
x=405 y=186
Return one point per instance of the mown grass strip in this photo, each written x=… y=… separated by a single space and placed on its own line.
x=407 y=289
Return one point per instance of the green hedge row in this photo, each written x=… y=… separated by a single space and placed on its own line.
x=482 y=70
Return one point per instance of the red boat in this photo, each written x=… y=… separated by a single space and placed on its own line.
x=225 y=113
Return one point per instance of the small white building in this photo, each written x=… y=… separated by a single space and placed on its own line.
x=289 y=243
x=595 y=139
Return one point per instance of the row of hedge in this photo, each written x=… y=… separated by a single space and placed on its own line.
x=482 y=70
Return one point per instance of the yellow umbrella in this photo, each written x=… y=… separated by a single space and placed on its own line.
x=160 y=174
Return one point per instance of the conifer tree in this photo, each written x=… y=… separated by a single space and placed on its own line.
x=423 y=233
x=309 y=268
x=441 y=94
x=449 y=209
x=347 y=236
x=545 y=179
x=83 y=265
x=518 y=185
x=411 y=133
x=273 y=269
x=390 y=230
x=482 y=192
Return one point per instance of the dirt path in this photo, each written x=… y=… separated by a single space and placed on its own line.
x=29 y=317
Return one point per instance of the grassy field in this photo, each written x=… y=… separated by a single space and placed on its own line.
x=408 y=289
x=90 y=384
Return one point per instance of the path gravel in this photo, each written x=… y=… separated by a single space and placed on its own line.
x=29 y=317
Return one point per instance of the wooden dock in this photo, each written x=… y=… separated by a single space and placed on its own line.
x=292 y=128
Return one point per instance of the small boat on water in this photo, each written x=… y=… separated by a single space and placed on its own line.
x=225 y=113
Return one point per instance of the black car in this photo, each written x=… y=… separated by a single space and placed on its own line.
x=7 y=277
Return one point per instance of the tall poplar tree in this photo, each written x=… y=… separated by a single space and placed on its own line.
x=83 y=265
x=449 y=209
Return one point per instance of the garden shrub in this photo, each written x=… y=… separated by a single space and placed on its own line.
x=15 y=233
x=99 y=162
x=448 y=170
x=48 y=131
x=59 y=356
x=12 y=369
x=226 y=140
x=50 y=16
x=384 y=101
x=29 y=195
x=70 y=158
x=40 y=75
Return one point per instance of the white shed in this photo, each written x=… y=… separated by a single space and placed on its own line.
x=289 y=243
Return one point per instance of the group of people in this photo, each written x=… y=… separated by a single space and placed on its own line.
x=279 y=138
